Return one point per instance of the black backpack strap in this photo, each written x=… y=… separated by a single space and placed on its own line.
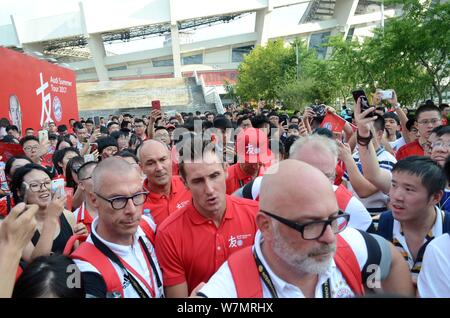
x=386 y=225
x=373 y=255
x=247 y=190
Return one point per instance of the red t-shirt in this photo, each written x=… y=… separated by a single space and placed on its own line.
x=412 y=149
x=237 y=178
x=190 y=248
x=162 y=206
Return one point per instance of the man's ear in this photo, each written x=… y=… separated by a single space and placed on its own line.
x=94 y=199
x=436 y=197
x=264 y=224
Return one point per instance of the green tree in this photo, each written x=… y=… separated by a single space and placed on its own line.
x=265 y=69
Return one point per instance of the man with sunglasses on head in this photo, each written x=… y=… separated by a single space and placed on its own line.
x=303 y=248
x=118 y=259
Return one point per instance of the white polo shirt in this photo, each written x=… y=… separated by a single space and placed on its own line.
x=434 y=277
x=133 y=255
x=221 y=284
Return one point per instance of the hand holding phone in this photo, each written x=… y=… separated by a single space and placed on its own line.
x=361 y=96
x=43 y=135
x=156 y=104
x=57 y=184
x=386 y=94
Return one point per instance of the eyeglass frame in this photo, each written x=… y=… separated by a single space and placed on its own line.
x=30 y=148
x=123 y=197
x=40 y=185
x=301 y=227
x=429 y=121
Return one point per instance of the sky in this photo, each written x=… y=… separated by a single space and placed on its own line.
x=30 y=9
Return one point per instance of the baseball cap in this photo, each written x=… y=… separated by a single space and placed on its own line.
x=170 y=126
x=252 y=146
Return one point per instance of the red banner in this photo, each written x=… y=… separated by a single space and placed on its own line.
x=33 y=91
x=333 y=122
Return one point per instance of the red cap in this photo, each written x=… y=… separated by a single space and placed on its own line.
x=252 y=146
x=170 y=126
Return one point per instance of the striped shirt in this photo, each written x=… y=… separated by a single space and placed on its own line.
x=377 y=200
x=400 y=243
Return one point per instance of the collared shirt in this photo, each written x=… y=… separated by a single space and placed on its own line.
x=413 y=148
x=221 y=284
x=133 y=255
x=237 y=178
x=399 y=241
x=434 y=277
x=190 y=247
x=161 y=206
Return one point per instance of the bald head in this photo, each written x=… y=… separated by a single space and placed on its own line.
x=292 y=188
x=151 y=147
x=111 y=170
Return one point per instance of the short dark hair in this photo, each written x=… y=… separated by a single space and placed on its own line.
x=127 y=154
x=410 y=123
x=77 y=125
x=12 y=127
x=89 y=121
x=11 y=160
x=222 y=123
x=19 y=175
x=111 y=123
x=196 y=148
x=443 y=106
x=65 y=138
x=62 y=128
x=125 y=123
x=29 y=128
x=139 y=120
x=59 y=155
x=289 y=142
x=293 y=126
x=48 y=275
x=378 y=124
x=23 y=140
x=259 y=121
x=443 y=130
x=82 y=171
x=323 y=132
x=392 y=115
x=427 y=108
x=430 y=173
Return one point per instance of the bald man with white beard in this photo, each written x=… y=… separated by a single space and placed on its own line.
x=303 y=248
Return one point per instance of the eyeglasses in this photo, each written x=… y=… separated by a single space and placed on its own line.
x=440 y=144
x=37 y=186
x=120 y=202
x=315 y=229
x=29 y=148
x=429 y=121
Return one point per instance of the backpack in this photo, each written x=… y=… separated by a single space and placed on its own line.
x=89 y=253
x=386 y=225
x=245 y=273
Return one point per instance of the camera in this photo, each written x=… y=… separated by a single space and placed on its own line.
x=319 y=110
x=386 y=94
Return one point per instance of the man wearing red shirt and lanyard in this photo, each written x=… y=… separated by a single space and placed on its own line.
x=192 y=243
x=254 y=157
x=167 y=193
x=428 y=117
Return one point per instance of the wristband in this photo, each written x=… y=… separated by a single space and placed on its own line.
x=363 y=141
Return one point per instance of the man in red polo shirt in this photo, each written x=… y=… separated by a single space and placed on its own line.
x=167 y=193
x=254 y=157
x=194 y=242
x=428 y=116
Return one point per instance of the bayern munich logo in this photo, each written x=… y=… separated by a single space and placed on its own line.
x=328 y=126
x=57 y=108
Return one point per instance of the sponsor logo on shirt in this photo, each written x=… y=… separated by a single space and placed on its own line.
x=182 y=204
x=238 y=240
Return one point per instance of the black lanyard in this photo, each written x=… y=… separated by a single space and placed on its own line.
x=113 y=257
x=326 y=293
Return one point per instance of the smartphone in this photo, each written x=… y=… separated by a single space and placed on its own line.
x=43 y=135
x=387 y=94
x=97 y=121
x=156 y=104
x=57 y=184
x=89 y=157
x=364 y=101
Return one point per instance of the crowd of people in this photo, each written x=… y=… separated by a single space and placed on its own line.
x=249 y=203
